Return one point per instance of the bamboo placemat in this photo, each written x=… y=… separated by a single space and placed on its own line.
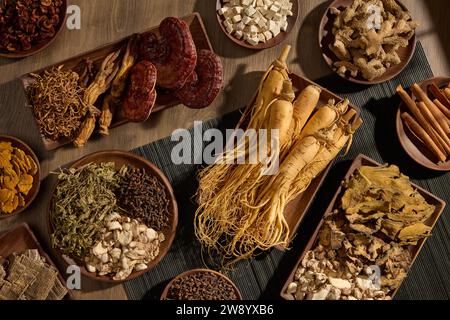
x=264 y=277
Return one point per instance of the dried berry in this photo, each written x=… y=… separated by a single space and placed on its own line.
x=143 y=196
x=202 y=286
x=26 y=23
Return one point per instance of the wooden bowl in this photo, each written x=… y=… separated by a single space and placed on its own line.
x=29 y=198
x=121 y=158
x=41 y=46
x=326 y=38
x=193 y=271
x=21 y=238
x=362 y=160
x=412 y=145
x=292 y=21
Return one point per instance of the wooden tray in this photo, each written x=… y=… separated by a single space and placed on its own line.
x=360 y=161
x=164 y=101
x=121 y=158
x=297 y=208
x=326 y=38
x=193 y=271
x=292 y=21
x=412 y=145
x=31 y=196
x=19 y=239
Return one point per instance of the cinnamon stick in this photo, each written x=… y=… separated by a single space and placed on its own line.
x=438 y=115
x=447 y=92
x=439 y=95
x=440 y=141
x=412 y=107
x=423 y=135
x=443 y=109
x=431 y=119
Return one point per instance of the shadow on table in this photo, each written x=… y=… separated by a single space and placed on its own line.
x=309 y=53
x=438 y=10
x=242 y=98
x=387 y=142
x=5 y=61
x=221 y=43
x=156 y=291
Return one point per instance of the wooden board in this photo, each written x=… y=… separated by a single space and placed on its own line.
x=297 y=208
x=19 y=239
x=360 y=161
x=164 y=101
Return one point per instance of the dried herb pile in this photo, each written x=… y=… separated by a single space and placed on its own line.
x=202 y=286
x=363 y=247
x=88 y=201
x=381 y=199
x=82 y=200
x=56 y=98
x=144 y=197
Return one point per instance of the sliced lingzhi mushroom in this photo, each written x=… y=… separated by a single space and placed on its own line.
x=141 y=94
x=204 y=84
x=173 y=52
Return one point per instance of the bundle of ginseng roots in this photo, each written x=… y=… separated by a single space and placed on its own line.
x=241 y=208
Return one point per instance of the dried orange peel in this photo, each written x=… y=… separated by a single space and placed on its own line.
x=16 y=177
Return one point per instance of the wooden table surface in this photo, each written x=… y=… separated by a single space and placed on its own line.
x=104 y=21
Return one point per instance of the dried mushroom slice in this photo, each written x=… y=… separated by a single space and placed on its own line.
x=173 y=52
x=204 y=84
x=141 y=94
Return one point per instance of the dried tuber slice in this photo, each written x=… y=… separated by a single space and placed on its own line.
x=204 y=84
x=173 y=53
x=141 y=93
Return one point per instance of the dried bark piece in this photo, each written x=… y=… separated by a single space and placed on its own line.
x=118 y=86
x=100 y=85
x=204 y=84
x=173 y=53
x=141 y=94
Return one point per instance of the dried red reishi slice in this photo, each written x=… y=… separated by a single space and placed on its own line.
x=141 y=93
x=173 y=53
x=204 y=84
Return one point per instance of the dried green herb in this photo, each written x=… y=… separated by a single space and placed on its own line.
x=83 y=198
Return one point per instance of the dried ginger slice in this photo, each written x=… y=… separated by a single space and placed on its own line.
x=6 y=146
x=25 y=184
x=5 y=195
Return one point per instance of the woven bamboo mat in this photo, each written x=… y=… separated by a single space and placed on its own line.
x=264 y=277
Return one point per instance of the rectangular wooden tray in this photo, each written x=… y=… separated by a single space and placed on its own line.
x=362 y=160
x=164 y=100
x=19 y=239
x=297 y=208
